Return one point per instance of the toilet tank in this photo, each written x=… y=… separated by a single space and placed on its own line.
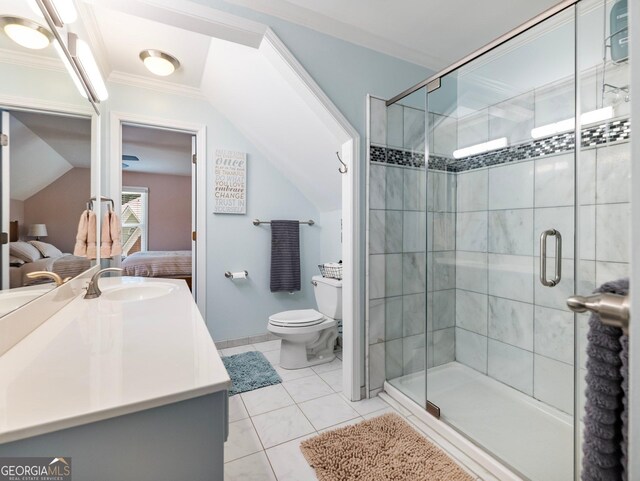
x=328 y=296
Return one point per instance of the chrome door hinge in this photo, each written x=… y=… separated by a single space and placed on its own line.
x=433 y=410
x=194 y=158
x=4 y=140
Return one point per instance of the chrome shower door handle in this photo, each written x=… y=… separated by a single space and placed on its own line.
x=543 y=258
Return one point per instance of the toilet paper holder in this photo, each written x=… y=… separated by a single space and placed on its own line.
x=236 y=275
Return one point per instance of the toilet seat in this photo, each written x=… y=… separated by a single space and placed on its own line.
x=297 y=318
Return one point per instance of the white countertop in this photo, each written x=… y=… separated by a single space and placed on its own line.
x=97 y=359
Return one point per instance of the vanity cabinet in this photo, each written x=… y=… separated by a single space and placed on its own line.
x=130 y=390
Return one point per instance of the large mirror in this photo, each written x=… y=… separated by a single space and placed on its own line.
x=46 y=162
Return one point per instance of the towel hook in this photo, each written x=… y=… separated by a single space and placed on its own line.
x=343 y=169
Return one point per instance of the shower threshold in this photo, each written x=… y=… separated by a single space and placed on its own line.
x=531 y=437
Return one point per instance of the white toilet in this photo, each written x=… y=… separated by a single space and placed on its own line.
x=308 y=336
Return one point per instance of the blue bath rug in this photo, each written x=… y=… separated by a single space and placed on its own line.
x=249 y=371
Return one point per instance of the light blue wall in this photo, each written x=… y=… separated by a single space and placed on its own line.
x=331 y=240
x=236 y=309
x=346 y=73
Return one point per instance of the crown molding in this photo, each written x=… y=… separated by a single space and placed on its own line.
x=161 y=86
x=192 y=16
x=341 y=30
x=27 y=59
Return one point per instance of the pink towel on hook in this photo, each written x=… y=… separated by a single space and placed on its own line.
x=115 y=231
x=80 y=249
x=92 y=247
x=105 y=234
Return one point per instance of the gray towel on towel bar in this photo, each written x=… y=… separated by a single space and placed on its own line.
x=285 y=255
x=604 y=445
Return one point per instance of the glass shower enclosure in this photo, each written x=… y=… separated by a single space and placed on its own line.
x=489 y=213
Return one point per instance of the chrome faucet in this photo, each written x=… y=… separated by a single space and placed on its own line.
x=48 y=275
x=93 y=290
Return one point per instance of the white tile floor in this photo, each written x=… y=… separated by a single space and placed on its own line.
x=266 y=426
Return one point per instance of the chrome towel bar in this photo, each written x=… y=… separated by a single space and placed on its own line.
x=613 y=309
x=258 y=222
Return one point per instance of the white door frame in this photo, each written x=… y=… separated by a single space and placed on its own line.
x=352 y=283
x=6 y=200
x=117 y=119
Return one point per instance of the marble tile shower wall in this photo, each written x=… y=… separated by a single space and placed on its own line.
x=508 y=325
x=398 y=249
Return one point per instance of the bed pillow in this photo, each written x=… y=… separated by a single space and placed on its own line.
x=47 y=250
x=24 y=250
x=15 y=261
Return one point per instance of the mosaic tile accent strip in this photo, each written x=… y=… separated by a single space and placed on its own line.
x=614 y=131
x=404 y=158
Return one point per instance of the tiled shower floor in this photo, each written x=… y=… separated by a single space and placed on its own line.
x=532 y=438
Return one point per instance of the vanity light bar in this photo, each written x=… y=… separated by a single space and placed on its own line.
x=79 y=75
x=481 y=148
x=87 y=67
x=591 y=117
x=72 y=73
x=60 y=11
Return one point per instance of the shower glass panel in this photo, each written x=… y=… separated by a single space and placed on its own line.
x=503 y=142
x=603 y=168
x=405 y=242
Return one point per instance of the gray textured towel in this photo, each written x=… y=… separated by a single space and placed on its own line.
x=285 y=255
x=624 y=371
x=604 y=446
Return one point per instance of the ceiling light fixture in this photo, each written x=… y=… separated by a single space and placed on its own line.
x=159 y=63
x=587 y=118
x=61 y=11
x=481 y=148
x=26 y=32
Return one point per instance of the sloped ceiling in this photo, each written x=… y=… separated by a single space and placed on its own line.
x=247 y=88
x=70 y=137
x=432 y=33
x=160 y=151
x=33 y=163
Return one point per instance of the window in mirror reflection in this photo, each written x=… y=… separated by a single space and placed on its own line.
x=134 y=220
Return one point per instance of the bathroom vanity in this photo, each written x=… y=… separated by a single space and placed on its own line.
x=129 y=385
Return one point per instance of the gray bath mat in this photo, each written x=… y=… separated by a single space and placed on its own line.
x=249 y=371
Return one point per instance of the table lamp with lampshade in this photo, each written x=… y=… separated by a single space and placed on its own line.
x=37 y=231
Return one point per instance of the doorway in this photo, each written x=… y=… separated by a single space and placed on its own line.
x=156 y=197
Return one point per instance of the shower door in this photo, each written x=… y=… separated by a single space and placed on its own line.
x=508 y=188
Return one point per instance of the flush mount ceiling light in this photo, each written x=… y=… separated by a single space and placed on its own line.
x=159 y=63
x=26 y=32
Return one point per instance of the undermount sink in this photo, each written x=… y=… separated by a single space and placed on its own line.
x=12 y=299
x=139 y=292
